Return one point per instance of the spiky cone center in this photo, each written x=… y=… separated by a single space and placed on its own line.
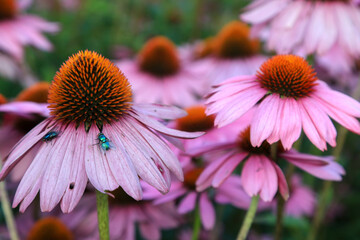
x=233 y=41
x=287 y=75
x=191 y=176
x=50 y=228
x=36 y=93
x=121 y=198
x=159 y=57
x=89 y=89
x=196 y=120
x=8 y=9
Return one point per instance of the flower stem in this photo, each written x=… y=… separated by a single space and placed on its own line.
x=248 y=218
x=197 y=224
x=103 y=215
x=327 y=186
x=5 y=204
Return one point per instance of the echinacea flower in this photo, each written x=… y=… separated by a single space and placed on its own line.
x=158 y=75
x=18 y=30
x=307 y=26
x=287 y=97
x=260 y=174
x=126 y=214
x=94 y=133
x=27 y=110
x=233 y=53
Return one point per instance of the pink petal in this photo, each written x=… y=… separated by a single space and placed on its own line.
x=78 y=178
x=283 y=186
x=143 y=157
x=57 y=173
x=187 y=204
x=160 y=148
x=97 y=163
x=264 y=119
x=161 y=128
x=160 y=111
x=24 y=145
x=290 y=123
x=227 y=168
x=149 y=231
x=207 y=212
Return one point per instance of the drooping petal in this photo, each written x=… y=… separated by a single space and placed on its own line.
x=187 y=204
x=227 y=168
x=207 y=211
x=264 y=119
x=78 y=178
x=57 y=174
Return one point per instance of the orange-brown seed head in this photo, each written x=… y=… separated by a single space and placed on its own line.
x=196 y=120
x=204 y=48
x=159 y=57
x=36 y=93
x=233 y=41
x=50 y=228
x=191 y=176
x=244 y=143
x=287 y=75
x=2 y=99
x=8 y=9
x=89 y=88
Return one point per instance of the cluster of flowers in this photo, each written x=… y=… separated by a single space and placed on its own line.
x=108 y=126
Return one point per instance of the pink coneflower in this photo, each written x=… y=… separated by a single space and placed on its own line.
x=158 y=75
x=307 y=26
x=261 y=174
x=125 y=214
x=233 y=54
x=286 y=96
x=18 y=30
x=27 y=110
x=94 y=132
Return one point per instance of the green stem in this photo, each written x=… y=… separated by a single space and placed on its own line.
x=103 y=215
x=327 y=185
x=197 y=224
x=248 y=218
x=5 y=204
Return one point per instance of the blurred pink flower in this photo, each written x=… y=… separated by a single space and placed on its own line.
x=233 y=53
x=190 y=198
x=302 y=199
x=287 y=97
x=32 y=225
x=306 y=26
x=260 y=174
x=158 y=75
x=95 y=132
x=18 y=30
